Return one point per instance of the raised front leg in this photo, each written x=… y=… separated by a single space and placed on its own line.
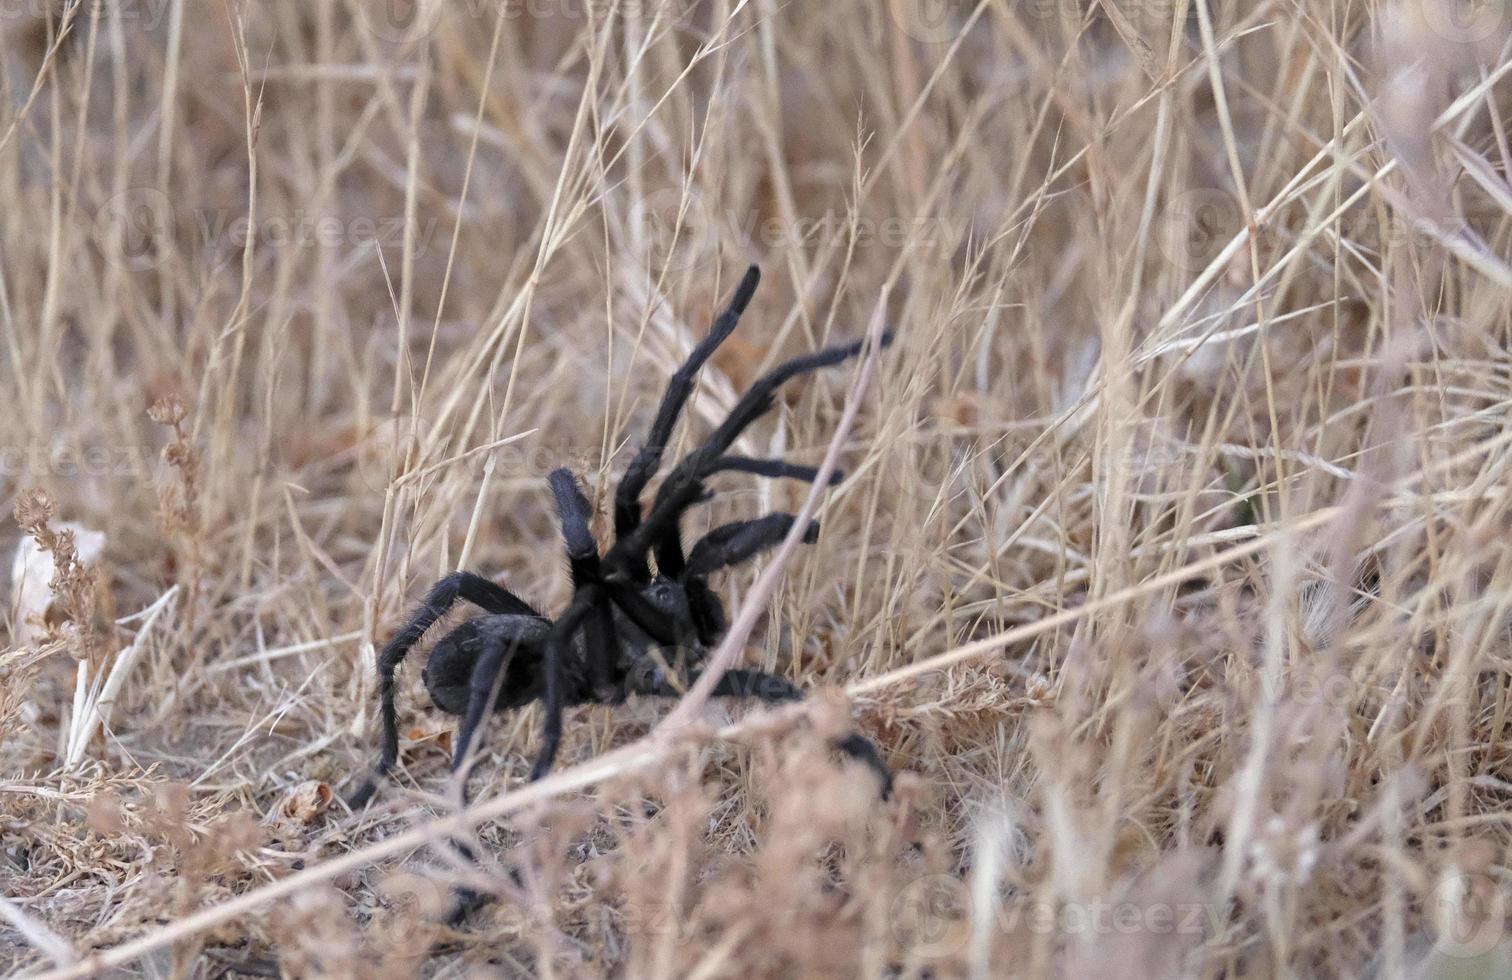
x=627 y=511
x=684 y=486
x=731 y=544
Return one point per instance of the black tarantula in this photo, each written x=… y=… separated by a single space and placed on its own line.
x=600 y=649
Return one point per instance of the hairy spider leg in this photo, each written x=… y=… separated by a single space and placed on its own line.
x=772 y=468
x=703 y=604
x=627 y=507
x=443 y=595
x=684 y=487
x=488 y=672
x=503 y=637
x=583 y=559
x=583 y=602
x=670 y=560
x=731 y=544
x=586 y=601
x=575 y=512
x=771 y=689
x=726 y=545
x=706 y=610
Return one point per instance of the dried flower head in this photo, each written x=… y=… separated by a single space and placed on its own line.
x=34 y=508
x=168 y=410
x=67 y=607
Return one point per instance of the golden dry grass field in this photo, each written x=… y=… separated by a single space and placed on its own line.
x=1171 y=568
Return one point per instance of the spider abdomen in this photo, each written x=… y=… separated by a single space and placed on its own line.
x=449 y=669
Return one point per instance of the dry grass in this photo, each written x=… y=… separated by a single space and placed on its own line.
x=1171 y=570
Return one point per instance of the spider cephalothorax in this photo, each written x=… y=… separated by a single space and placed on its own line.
x=624 y=621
